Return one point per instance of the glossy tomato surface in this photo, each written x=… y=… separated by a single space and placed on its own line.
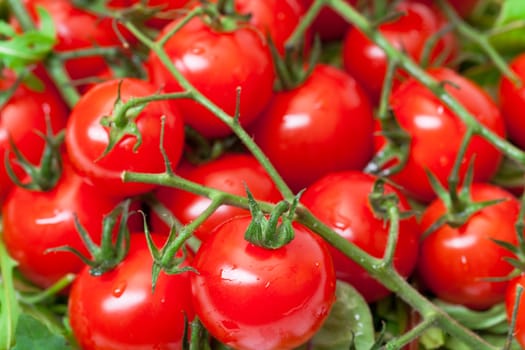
x=250 y=297
x=22 y=117
x=34 y=222
x=409 y=32
x=341 y=201
x=231 y=173
x=217 y=63
x=323 y=125
x=119 y=311
x=87 y=138
x=456 y=262
x=276 y=18
x=512 y=102
x=436 y=133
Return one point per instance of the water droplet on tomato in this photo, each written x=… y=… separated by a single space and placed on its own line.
x=197 y=50
x=119 y=289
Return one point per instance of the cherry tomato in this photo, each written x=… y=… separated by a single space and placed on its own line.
x=22 y=117
x=86 y=138
x=79 y=29
x=119 y=310
x=250 y=297
x=323 y=125
x=436 y=133
x=456 y=262
x=510 y=303
x=217 y=63
x=36 y=221
x=341 y=200
x=230 y=173
x=512 y=102
x=410 y=32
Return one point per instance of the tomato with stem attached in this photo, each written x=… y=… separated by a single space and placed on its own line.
x=24 y=117
x=459 y=264
x=250 y=297
x=410 y=32
x=232 y=173
x=341 y=201
x=217 y=62
x=134 y=135
x=36 y=221
x=435 y=133
x=119 y=310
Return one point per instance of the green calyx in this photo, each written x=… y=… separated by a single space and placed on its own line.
x=110 y=252
x=222 y=16
x=273 y=231
x=459 y=204
x=44 y=176
x=122 y=122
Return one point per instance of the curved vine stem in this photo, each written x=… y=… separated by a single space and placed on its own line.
x=229 y=120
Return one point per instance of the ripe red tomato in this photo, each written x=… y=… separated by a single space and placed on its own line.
x=230 y=173
x=365 y=61
x=436 y=133
x=217 y=63
x=510 y=303
x=512 y=102
x=118 y=310
x=22 y=117
x=36 y=221
x=250 y=297
x=323 y=125
x=455 y=263
x=86 y=138
x=79 y=29
x=341 y=200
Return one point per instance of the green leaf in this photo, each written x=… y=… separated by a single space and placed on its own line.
x=349 y=323
x=476 y=320
x=9 y=308
x=32 y=334
x=508 y=32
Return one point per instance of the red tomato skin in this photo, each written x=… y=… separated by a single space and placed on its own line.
x=86 y=139
x=276 y=18
x=340 y=200
x=436 y=133
x=329 y=25
x=230 y=173
x=454 y=262
x=79 y=29
x=217 y=63
x=249 y=297
x=118 y=311
x=510 y=302
x=365 y=61
x=21 y=118
x=512 y=102
x=36 y=221
x=324 y=125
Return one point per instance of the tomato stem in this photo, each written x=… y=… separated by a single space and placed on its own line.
x=244 y=137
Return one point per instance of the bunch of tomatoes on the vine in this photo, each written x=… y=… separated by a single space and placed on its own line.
x=262 y=174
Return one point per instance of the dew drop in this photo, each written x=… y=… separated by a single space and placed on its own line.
x=119 y=289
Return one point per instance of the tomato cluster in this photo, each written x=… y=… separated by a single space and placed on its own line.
x=241 y=141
